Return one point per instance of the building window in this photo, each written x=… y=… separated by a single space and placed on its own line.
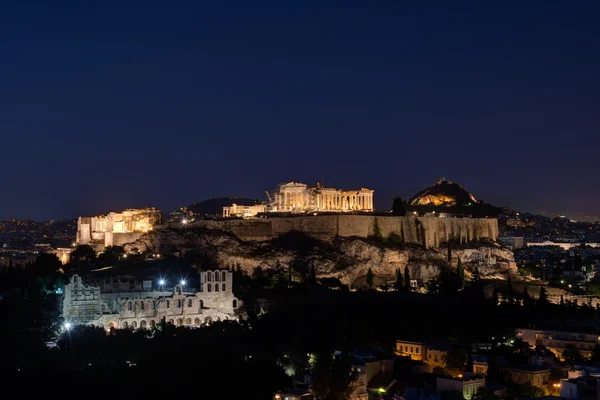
x=134 y=324
x=201 y=304
x=216 y=276
x=417 y=350
x=168 y=304
x=209 y=288
x=234 y=303
x=189 y=302
x=143 y=324
x=152 y=323
x=223 y=287
x=178 y=303
x=197 y=321
x=171 y=321
x=216 y=287
x=141 y=305
x=179 y=322
x=152 y=305
x=124 y=325
x=188 y=321
x=208 y=276
x=129 y=306
x=223 y=276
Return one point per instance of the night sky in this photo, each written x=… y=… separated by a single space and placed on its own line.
x=105 y=106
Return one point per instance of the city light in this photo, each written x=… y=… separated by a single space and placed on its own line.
x=184 y=221
x=161 y=282
x=67 y=326
x=183 y=282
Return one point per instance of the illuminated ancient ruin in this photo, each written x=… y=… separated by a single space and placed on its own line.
x=116 y=229
x=295 y=197
x=115 y=304
x=298 y=197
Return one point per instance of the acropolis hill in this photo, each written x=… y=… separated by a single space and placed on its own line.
x=343 y=244
x=347 y=214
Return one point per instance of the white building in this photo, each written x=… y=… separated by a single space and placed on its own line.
x=246 y=212
x=468 y=385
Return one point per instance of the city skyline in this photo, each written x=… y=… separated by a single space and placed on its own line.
x=115 y=106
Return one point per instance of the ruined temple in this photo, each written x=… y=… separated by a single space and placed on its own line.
x=116 y=228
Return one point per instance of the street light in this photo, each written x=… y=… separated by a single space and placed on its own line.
x=161 y=282
x=67 y=326
x=184 y=221
x=182 y=282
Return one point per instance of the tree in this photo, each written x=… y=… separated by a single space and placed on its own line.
x=469 y=367
x=455 y=361
x=460 y=270
x=83 y=252
x=493 y=373
x=543 y=300
x=46 y=265
x=332 y=378
x=572 y=354
x=509 y=289
x=377 y=230
x=313 y=274
x=370 y=278
x=495 y=295
x=476 y=275
x=399 y=206
x=112 y=255
x=595 y=358
x=406 y=278
x=398 y=281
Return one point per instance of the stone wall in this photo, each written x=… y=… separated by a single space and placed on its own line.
x=85 y=304
x=116 y=229
x=427 y=231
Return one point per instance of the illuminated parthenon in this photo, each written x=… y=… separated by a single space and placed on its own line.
x=298 y=197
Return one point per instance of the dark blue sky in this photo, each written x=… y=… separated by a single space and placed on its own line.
x=106 y=105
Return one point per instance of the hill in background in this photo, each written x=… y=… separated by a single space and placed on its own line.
x=208 y=208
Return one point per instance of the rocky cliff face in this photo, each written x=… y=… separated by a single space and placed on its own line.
x=347 y=259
